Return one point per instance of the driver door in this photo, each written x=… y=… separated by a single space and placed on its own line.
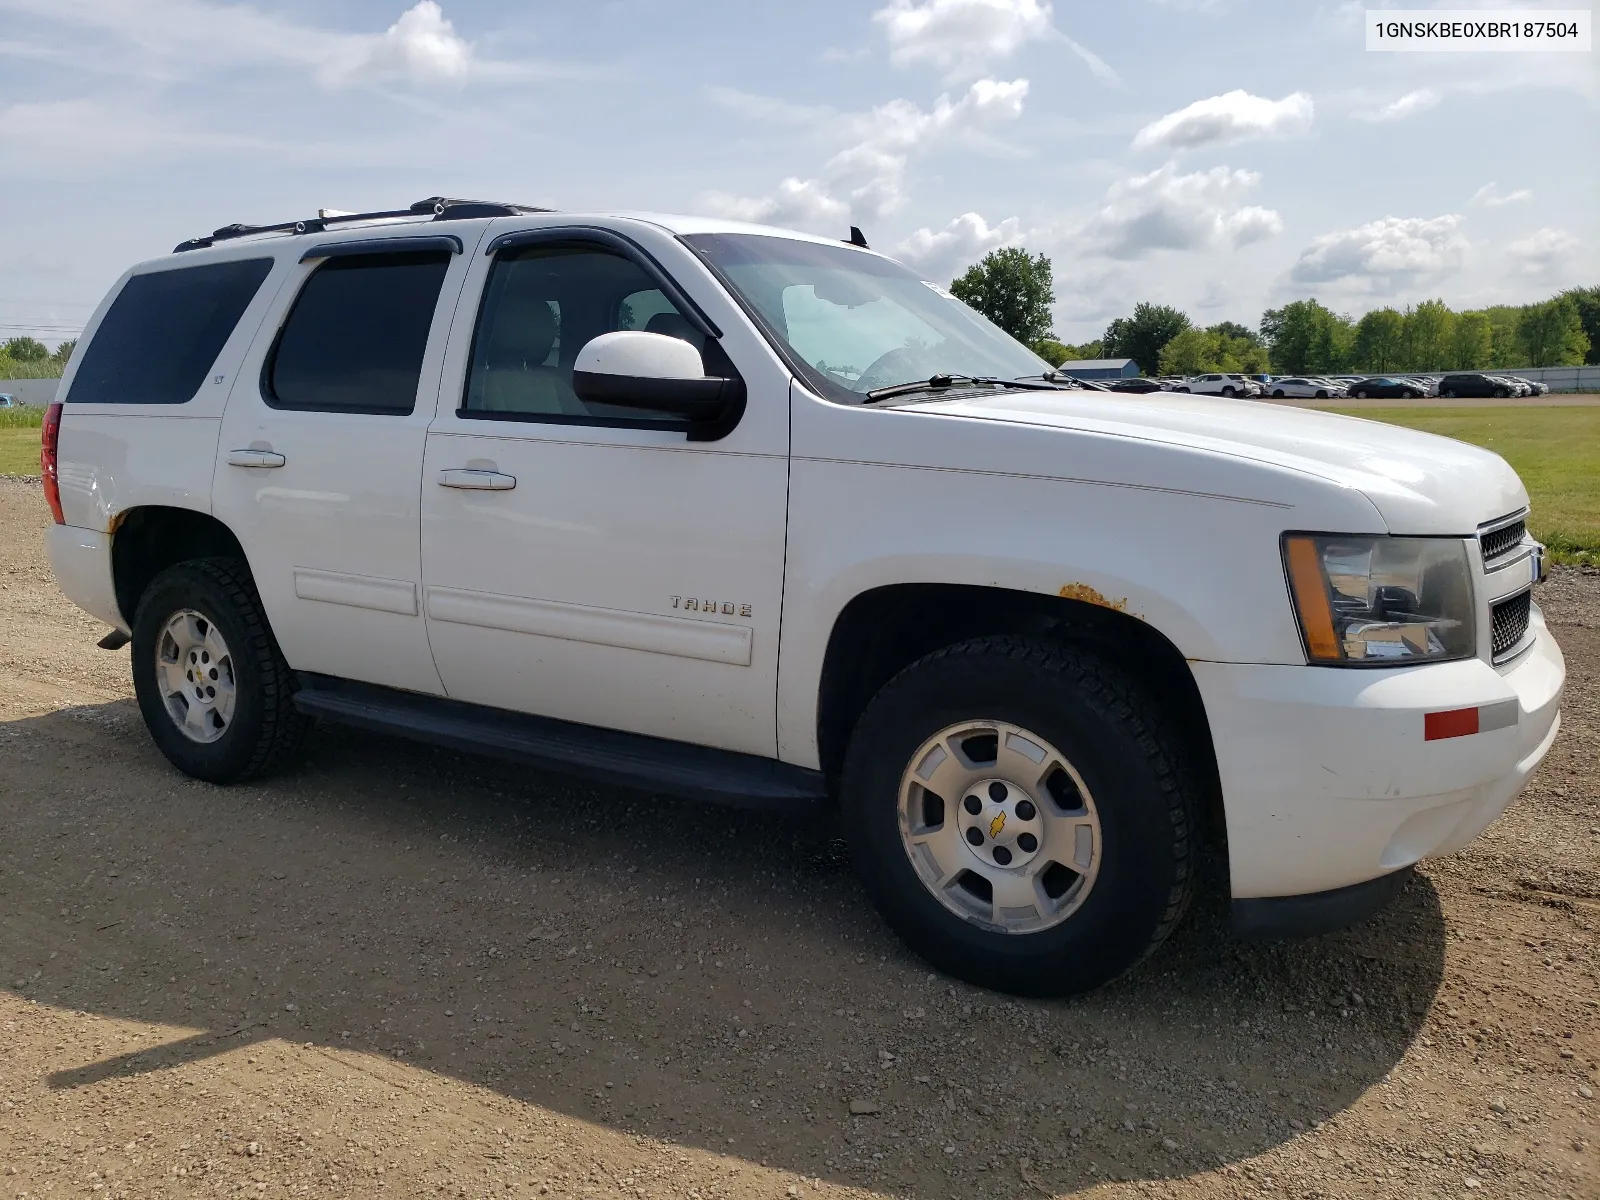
x=589 y=562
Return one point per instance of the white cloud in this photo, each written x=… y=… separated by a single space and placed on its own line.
x=1164 y=210
x=1408 y=105
x=961 y=37
x=1543 y=253
x=795 y=202
x=946 y=253
x=421 y=45
x=1232 y=117
x=866 y=179
x=1390 y=252
x=1490 y=196
x=166 y=38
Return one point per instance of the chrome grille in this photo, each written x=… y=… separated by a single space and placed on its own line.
x=1496 y=540
x=1508 y=622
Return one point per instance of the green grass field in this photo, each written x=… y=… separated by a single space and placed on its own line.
x=19 y=440
x=1555 y=450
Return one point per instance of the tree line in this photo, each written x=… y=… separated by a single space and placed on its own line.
x=27 y=358
x=1015 y=290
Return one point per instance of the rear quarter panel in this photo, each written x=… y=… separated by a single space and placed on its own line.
x=117 y=457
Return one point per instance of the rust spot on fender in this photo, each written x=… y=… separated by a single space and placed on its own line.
x=1089 y=595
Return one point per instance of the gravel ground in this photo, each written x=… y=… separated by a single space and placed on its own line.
x=403 y=971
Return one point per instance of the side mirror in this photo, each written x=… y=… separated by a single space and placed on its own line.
x=659 y=374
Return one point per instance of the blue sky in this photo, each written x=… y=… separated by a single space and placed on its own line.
x=1221 y=155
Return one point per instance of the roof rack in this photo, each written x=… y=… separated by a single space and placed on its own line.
x=442 y=208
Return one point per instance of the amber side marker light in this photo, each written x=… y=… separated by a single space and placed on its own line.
x=49 y=446
x=1311 y=599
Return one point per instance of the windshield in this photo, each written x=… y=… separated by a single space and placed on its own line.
x=851 y=322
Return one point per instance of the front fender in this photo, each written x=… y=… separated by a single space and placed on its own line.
x=1204 y=571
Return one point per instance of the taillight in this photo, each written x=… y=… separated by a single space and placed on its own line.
x=49 y=447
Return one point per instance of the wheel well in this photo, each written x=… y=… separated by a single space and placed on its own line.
x=882 y=632
x=149 y=540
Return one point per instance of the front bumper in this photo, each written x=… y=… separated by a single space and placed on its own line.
x=1328 y=781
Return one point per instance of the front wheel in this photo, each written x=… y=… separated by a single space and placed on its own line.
x=1228 y=391
x=1021 y=814
x=1182 y=389
x=1361 y=394
x=211 y=683
x=1322 y=395
x=1448 y=393
x=1278 y=395
x=1501 y=393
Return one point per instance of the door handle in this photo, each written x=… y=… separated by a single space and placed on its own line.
x=255 y=458
x=473 y=480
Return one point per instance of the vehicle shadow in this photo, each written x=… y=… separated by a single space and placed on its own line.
x=706 y=977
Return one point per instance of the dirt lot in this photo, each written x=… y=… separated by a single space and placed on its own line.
x=407 y=972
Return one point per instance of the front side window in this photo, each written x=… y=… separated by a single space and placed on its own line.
x=851 y=321
x=541 y=305
x=161 y=335
x=355 y=338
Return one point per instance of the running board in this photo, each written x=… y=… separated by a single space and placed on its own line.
x=605 y=755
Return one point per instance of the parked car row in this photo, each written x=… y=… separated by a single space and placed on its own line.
x=1321 y=387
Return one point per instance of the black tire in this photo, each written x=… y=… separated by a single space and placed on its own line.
x=1278 y=395
x=1448 y=393
x=1228 y=391
x=1501 y=394
x=1362 y=394
x=1322 y=395
x=1120 y=742
x=1182 y=389
x=266 y=729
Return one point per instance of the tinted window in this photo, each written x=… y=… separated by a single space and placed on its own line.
x=163 y=331
x=543 y=304
x=356 y=335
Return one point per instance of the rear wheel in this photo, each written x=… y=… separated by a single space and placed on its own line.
x=211 y=683
x=1449 y=393
x=1020 y=813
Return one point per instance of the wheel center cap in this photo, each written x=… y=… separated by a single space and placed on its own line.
x=1000 y=823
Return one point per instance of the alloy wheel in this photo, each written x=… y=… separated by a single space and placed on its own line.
x=1000 y=827
x=194 y=669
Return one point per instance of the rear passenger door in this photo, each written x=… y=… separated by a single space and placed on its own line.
x=320 y=457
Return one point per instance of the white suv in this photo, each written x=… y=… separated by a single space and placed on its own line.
x=730 y=512
x=1219 y=385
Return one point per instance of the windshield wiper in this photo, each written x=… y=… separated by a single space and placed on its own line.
x=939 y=383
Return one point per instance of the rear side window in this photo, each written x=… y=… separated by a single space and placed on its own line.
x=163 y=332
x=355 y=338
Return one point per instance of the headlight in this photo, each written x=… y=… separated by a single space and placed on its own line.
x=1381 y=601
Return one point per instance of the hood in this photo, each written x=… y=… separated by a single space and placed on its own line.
x=1419 y=482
